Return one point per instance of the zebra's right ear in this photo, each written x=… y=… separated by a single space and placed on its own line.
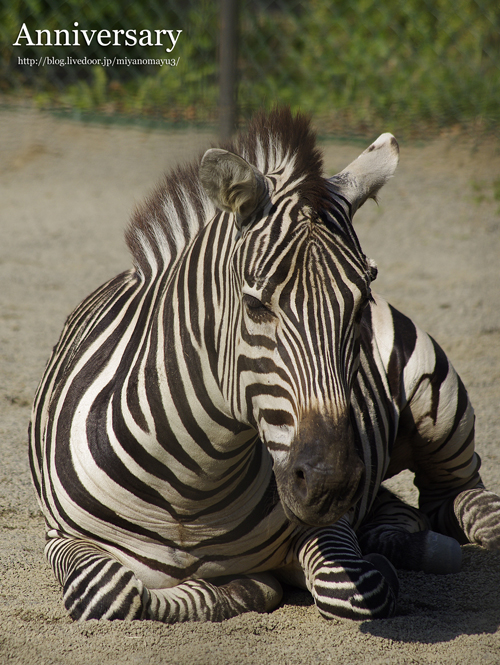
x=367 y=174
x=233 y=184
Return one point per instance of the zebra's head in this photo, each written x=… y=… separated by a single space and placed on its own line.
x=300 y=284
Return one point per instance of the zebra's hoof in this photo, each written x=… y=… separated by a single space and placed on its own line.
x=442 y=554
x=385 y=567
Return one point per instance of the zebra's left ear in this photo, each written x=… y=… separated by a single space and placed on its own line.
x=367 y=174
x=233 y=184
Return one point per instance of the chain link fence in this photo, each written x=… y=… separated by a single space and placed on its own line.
x=410 y=66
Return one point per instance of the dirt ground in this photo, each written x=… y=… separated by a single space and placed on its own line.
x=66 y=192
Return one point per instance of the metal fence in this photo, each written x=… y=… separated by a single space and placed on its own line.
x=356 y=65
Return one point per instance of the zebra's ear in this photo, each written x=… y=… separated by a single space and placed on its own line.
x=233 y=184
x=365 y=176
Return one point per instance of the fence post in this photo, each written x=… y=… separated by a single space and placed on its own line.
x=228 y=59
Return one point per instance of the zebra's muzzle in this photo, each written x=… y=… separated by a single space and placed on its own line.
x=324 y=475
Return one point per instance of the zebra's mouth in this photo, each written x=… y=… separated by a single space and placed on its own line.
x=325 y=513
x=295 y=519
x=319 y=522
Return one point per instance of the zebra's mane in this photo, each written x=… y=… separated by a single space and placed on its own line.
x=179 y=208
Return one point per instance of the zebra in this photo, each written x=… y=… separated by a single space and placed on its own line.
x=219 y=419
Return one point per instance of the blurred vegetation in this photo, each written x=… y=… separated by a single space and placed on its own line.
x=357 y=65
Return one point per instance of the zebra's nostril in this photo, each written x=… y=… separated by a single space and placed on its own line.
x=301 y=488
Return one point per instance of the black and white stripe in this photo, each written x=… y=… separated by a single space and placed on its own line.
x=229 y=407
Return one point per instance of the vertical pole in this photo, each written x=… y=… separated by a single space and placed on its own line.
x=228 y=67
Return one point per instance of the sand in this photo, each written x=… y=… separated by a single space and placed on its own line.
x=66 y=193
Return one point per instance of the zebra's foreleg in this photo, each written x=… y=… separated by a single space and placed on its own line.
x=97 y=586
x=342 y=582
x=402 y=534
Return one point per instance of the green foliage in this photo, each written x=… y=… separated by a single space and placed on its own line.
x=436 y=62
x=359 y=64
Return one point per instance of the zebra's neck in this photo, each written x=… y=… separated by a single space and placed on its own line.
x=180 y=361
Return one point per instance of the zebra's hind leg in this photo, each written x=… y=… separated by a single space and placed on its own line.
x=471 y=516
x=478 y=515
x=343 y=583
x=403 y=535
x=97 y=586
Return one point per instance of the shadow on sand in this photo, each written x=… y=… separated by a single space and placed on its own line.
x=439 y=608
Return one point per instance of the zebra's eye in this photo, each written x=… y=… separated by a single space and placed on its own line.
x=256 y=309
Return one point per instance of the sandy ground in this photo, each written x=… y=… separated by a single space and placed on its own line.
x=66 y=192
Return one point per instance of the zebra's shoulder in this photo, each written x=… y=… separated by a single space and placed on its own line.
x=277 y=143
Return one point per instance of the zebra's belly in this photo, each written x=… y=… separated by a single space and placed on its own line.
x=161 y=566
x=183 y=551
x=165 y=542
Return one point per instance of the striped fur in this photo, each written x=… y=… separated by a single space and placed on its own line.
x=231 y=405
